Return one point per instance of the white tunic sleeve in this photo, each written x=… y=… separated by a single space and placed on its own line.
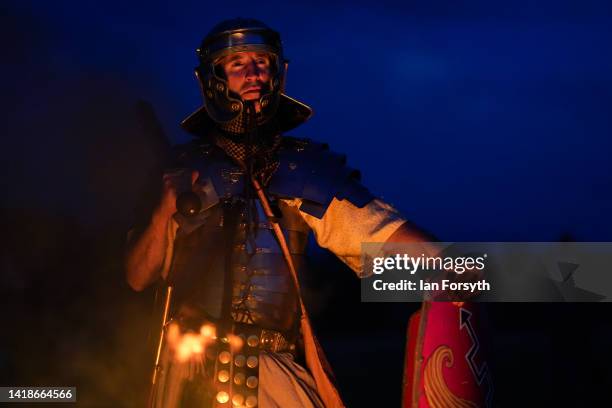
x=344 y=227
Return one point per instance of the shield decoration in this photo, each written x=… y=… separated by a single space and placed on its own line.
x=444 y=362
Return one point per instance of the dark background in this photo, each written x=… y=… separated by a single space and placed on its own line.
x=479 y=120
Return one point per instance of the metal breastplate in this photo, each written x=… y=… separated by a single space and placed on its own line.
x=263 y=292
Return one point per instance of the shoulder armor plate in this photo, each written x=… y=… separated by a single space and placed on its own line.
x=307 y=170
x=310 y=171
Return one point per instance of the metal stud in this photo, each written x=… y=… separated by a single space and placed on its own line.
x=220 y=87
x=292 y=166
x=239 y=379
x=252 y=382
x=252 y=361
x=209 y=94
x=225 y=357
x=253 y=341
x=223 y=397
x=264 y=103
x=238 y=400
x=235 y=107
x=239 y=360
x=251 y=401
x=223 y=376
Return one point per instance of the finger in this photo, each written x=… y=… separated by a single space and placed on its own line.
x=169 y=188
x=168 y=183
x=194 y=176
x=168 y=180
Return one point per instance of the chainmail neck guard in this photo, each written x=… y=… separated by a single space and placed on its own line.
x=239 y=126
x=253 y=147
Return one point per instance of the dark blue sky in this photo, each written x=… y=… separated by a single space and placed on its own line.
x=479 y=120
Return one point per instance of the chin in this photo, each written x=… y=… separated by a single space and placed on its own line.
x=251 y=96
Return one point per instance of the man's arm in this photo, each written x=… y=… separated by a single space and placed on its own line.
x=146 y=252
x=409 y=233
x=344 y=227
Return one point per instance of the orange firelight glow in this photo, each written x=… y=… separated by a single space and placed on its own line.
x=189 y=345
x=235 y=342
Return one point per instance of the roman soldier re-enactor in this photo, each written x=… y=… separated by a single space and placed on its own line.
x=229 y=234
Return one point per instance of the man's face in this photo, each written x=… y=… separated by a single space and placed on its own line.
x=248 y=74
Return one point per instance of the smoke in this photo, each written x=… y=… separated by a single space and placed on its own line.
x=79 y=161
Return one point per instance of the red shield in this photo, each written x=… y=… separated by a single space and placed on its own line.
x=444 y=364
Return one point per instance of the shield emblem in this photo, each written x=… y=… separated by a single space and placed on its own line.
x=444 y=362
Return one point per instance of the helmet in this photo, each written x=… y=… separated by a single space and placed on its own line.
x=221 y=105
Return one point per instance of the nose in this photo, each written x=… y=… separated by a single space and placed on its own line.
x=252 y=70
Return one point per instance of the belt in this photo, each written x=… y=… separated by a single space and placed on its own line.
x=252 y=335
x=264 y=339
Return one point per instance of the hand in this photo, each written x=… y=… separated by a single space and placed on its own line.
x=172 y=183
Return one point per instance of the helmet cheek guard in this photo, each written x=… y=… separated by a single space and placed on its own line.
x=219 y=103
